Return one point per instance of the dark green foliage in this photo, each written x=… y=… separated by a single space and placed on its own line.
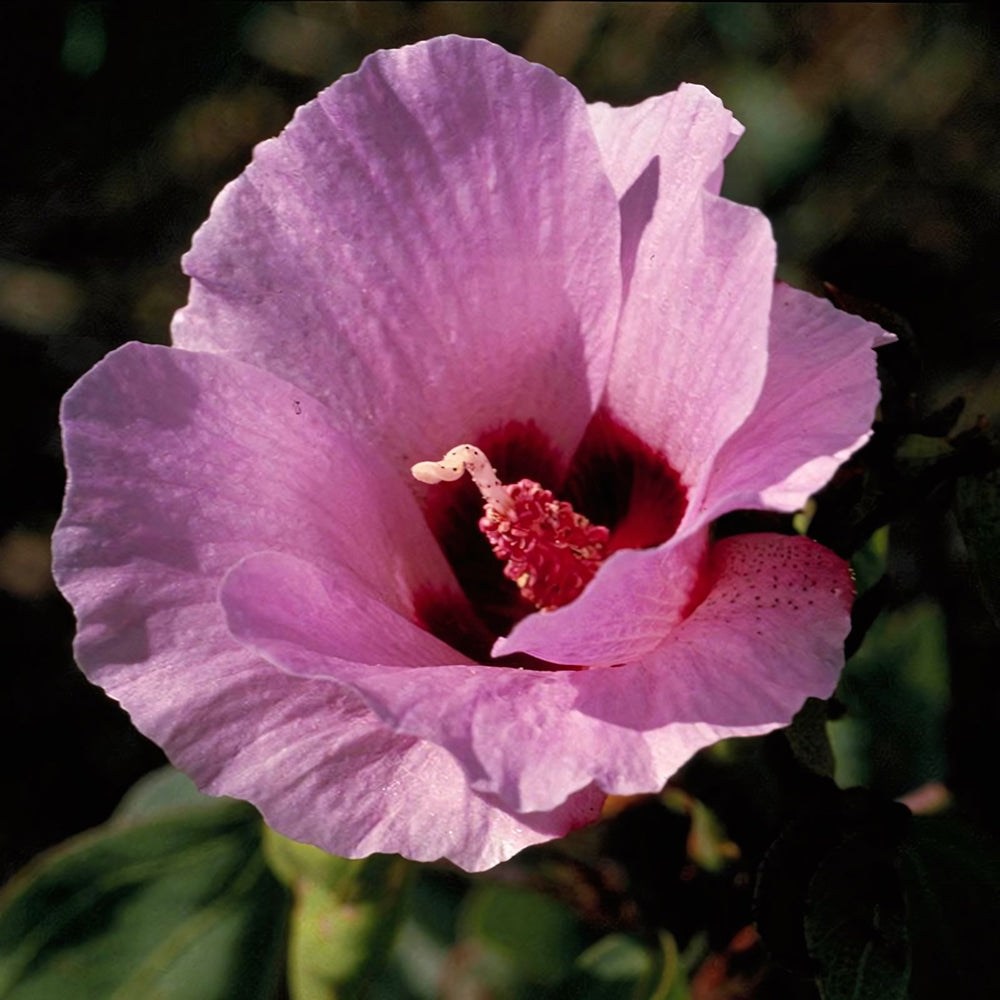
x=179 y=906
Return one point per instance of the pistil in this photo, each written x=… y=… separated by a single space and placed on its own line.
x=550 y=551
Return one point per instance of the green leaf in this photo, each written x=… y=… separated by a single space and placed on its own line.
x=795 y=902
x=336 y=947
x=345 y=916
x=918 y=451
x=617 y=960
x=895 y=690
x=619 y=967
x=951 y=878
x=707 y=844
x=808 y=738
x=783 y=878
x=181 y=906
x=537 y=936
x=894 y=906
x=868 y=564
x=855 y=925
x=347 y=878
x=977 y=508
x=162 y=791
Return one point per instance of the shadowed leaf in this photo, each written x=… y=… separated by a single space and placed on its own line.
x=855 y=924
x=951 y=878
x=977 y=507
x=180 y=907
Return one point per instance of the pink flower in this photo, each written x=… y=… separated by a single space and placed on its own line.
x=449 y=246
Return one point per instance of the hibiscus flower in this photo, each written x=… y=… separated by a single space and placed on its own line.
x=450 y=248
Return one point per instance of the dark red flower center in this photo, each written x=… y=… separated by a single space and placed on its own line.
x=616 y=492
x=550 y=551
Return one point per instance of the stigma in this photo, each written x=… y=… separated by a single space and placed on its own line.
x=549 y=550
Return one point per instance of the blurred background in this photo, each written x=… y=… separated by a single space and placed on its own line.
x=872 y=143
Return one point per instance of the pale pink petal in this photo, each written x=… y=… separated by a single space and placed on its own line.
x=769 y=634
x=481 y=713
x=322 y=770
x=183 y=462
x=689 y=129
x=624 y=613
x=180 y=464
x=692 y=346
x=668 y=143
x=691 y=352
x=815 y=410
x=294 y=609
x=431 y=247
x=687 y=370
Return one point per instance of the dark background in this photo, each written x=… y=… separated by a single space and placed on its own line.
x=872 y=142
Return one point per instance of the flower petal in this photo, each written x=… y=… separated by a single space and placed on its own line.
x=669 y=142
x=315 y=769
x=290 y=609
x=346 y=638
x=815 y=409
x=413 y=243
x=689 y=128
x=691 y=353
x=179 y=463
x=769 y=634
x=182 y=463
x=622 y=615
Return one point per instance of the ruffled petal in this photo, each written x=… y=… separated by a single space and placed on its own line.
x=624 y=613
x=815 y=410
x=346 y=639
x=292 y=609
x=430 y=247
x=669 y=142
x=181 y=463
x=691 y=353
x=769 y=634
x=688 y=128
x=324 y=771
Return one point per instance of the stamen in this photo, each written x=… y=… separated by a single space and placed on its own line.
x=550 y=551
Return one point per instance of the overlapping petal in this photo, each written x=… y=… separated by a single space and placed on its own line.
x=694 y=327
x=703 y=276
x=668 y=143
x=815 y=410
x=419 y=226
x=181 y=464
x=637 y=596
x=769 y=635
x=185 y=462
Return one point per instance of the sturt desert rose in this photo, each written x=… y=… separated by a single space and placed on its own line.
x=406 y=539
